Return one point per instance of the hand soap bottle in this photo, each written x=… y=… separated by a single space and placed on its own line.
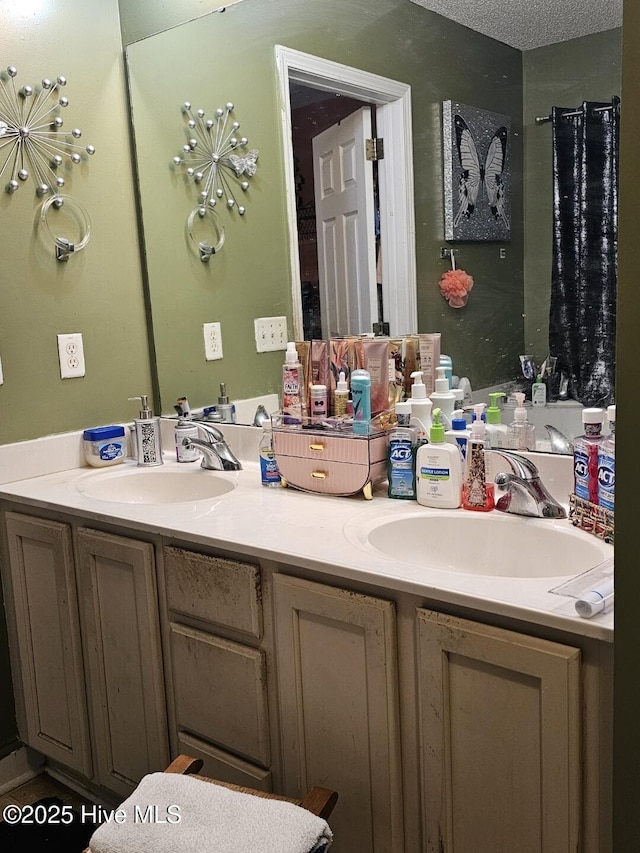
x=421 y=407
x=443 y=397
x=497 y=432
x=477 y=494
x=522 y=434
x=147 y=429
x=438 y=471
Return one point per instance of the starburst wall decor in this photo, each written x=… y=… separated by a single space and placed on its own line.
x=216 y=157
x=34 y=144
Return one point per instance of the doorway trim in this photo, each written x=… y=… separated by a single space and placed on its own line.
x=395 y=177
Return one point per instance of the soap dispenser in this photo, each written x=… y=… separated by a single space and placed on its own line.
x=477 y=494
x=497 y=432
x=438 y=471
x=521 y=433
x=147 y=429
x=443 y=397
x=421 y=407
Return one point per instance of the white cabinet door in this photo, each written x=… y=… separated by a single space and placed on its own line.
x=500 y=720
x=123 y=658
x=44 y=632
x=338 y=698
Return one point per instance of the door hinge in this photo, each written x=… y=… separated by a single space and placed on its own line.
x=375 y=149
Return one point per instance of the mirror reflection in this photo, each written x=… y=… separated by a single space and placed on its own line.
x=507 y=313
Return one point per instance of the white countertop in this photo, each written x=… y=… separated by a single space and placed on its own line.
x=295 y=528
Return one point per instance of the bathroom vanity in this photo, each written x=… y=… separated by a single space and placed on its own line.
x=261 y=630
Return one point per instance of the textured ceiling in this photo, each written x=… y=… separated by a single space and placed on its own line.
x=525 y=24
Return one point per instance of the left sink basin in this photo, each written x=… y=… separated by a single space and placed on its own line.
x=154 y=485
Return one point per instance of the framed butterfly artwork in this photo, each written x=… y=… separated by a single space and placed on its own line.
x=477 y=174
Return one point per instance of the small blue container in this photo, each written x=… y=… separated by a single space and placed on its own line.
x=106 y=445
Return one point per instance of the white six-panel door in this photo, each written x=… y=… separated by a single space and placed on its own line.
x=345 y=226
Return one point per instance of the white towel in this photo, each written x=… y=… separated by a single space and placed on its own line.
x=186 y=814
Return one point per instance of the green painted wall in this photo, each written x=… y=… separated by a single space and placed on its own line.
x=231 y=56
x=98 y=291
x=564 y=74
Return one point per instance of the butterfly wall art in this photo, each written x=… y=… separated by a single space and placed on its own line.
x=476 y=173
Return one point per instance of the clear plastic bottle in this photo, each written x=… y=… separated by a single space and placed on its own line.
x=585 y=455
x=269 y=471
x=522 y=434
x=607 y=464
x=401 y=457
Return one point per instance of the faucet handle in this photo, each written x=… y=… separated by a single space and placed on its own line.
x=522 y=467
x=210 y=431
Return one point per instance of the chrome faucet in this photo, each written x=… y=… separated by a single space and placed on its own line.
x=525 y=492
x=216 y=453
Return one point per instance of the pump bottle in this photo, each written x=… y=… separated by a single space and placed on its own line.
x=147 y=430
x=477 y=494
x=497 y=432
x=443 y=397
x=421 y=407
x=459 y=434
x=521 y=433
x=438 y=471
x=340 y=396
x=361 y=397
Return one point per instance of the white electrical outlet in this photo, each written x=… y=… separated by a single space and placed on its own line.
x=212 y=341
x=271 y=333
x=71 y=355
x=1 y=374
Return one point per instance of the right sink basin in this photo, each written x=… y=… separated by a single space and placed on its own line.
x=489 y=544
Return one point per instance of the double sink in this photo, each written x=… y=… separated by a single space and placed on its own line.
x=482 y=544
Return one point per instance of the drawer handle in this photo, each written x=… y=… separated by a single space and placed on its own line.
x=319 y=475
x=317 y=447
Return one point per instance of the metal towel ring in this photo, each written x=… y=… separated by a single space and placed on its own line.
x=206 y=250
x=64 y=246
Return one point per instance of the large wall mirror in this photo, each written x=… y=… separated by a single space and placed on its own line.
x=230 y=55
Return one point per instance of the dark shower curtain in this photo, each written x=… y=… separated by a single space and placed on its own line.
x=582 y=318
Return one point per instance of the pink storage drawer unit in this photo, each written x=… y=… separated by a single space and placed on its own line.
x=330 y=463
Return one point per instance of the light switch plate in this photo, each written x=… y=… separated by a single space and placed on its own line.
x=271 y=333
x=212 y=341
x=71 y=355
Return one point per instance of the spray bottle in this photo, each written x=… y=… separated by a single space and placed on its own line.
x=292 y=387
